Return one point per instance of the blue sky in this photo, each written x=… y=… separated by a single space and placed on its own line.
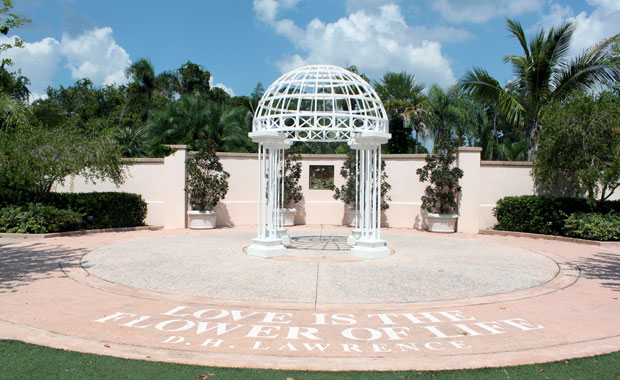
x=242 y=42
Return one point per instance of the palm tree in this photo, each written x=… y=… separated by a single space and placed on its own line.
x=444 y=111
x=397 y=89
x=513 y=150
x=130 y=140
x=142 y=73
x=414 y=115
x=543 y=73
x=404 y=101
x=196 y=117
x=13 y=112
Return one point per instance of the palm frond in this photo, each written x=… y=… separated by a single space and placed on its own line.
x=586 y=71
x=511 y=106
x=13 y=111
x=516 y=30
x=559 y=40
x=479 y=83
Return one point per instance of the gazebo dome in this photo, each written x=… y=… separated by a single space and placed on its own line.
x=320 y=103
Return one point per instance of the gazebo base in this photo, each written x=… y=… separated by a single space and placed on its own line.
x=355 y=235
x=267 y=248
x=370 y=249
x=284 y=236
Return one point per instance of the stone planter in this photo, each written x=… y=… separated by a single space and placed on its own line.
x=441 y=222
x=351 y=216
x=200 y=220
x=289 y=216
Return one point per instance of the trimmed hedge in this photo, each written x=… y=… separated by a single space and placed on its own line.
x=545 y=214
x=99 y=210
x=103 y=210
x=34 y=219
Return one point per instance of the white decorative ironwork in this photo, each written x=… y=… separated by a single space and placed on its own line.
x=320 y=103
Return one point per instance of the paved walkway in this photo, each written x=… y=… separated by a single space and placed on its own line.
x=438 y=302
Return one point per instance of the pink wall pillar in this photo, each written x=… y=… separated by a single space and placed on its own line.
x=469 y=204
x=174 y=188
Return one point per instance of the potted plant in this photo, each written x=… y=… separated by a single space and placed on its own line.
x=292 y=189
x=440 y=196
x=346 y=192
x=207 y=183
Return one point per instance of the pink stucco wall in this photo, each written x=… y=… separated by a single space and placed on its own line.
x=160 y=181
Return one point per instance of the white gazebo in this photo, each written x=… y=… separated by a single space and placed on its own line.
x=320 y=103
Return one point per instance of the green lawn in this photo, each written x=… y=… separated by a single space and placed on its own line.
x=26 y=361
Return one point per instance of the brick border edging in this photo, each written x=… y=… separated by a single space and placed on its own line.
x=75 y=233
x=611 y=244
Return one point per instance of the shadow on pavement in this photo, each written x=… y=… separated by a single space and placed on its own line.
x=25 y=263
x=603 y=266
x=324 y=243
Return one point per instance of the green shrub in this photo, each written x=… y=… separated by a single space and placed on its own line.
x=100 y=210
x=544 y=214
x=11 y=196
x=103 y=210
x=594 y=226
x=38 y=219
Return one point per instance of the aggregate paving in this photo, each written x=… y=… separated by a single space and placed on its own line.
x=437 y=302
x=422 y=267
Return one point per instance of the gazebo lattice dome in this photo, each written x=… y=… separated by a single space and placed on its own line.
x=320 y=103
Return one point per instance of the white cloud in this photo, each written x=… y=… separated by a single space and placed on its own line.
x=376 y=41
x=227 y=89
x=602 y=23
x=38 y=61
x=591 y=28
x=93 y=54
x=267 y=10
x=477 y=11
x=353 y=6
x=556 y=16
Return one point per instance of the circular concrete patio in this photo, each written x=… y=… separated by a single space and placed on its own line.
x=438 y=302
x=319 y=268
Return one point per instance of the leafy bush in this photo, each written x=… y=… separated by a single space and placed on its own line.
x=207 y=182
x=38 y=219
x=594 y=226
x=346 y=192
x=103 y=210
x=292 y=173
x=544 y=214
x=441 y=195
x=14 y=196
x=99 y=210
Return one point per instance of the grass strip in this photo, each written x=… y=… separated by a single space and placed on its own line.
x=27 y=361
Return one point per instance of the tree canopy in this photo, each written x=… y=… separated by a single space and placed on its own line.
x=578 y=149
x=543 y=73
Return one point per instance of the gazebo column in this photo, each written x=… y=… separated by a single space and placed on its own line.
x=368 y=153
x=357 y=232
x=271 y=234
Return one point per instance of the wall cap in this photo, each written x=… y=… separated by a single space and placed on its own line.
x=177 y=146
x=506 y=163
x=469 y=149
x=144 y=160
x=311 y=156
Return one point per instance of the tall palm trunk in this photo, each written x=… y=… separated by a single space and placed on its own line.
x=148 y=105
x=494 y=135
x=533 y=129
